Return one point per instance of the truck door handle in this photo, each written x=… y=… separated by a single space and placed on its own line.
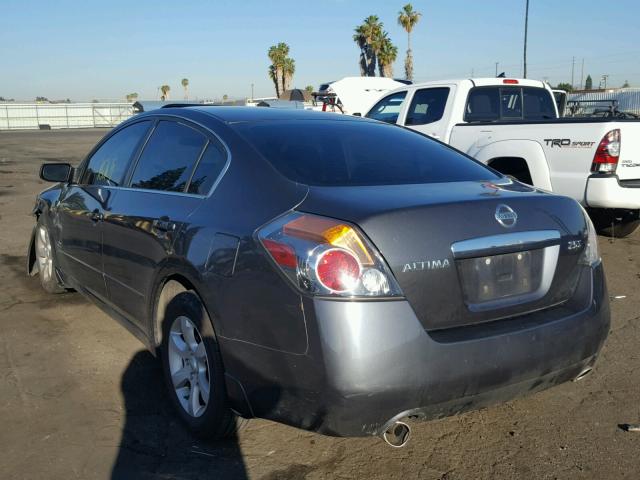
x=163 y=224
x=96 y=216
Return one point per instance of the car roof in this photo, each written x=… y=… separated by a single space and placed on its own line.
x=238 y=114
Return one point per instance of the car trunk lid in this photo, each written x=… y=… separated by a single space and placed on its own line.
x=466 y=252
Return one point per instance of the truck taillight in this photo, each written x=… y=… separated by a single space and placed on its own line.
x=607 y=153
x=324 y=256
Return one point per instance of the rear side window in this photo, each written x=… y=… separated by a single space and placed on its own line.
x=427 y=106
x=209 y=169
x=168 y=158
x=109 y=164
x=388 y=109
x=490 y=104
x=358 y=152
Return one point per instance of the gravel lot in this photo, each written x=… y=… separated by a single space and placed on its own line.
x=80 y=398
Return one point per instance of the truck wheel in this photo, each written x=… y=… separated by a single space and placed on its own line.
x=616 y=223
x=193 y=368
x=46 y=261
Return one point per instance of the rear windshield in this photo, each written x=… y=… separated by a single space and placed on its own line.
x=350 y=153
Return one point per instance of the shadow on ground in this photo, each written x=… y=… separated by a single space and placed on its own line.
x=154 y=442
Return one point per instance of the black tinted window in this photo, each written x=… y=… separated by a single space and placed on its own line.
x=488 y=104
x=483 y=105
x=388 y=109
x=209 y=168
x=109 y=163
x=538 y=104
x=510 y=103
x=345 y=153
x=427 y=106
x=168 y=158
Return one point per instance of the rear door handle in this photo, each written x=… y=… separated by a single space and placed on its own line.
x=163 y=224
x=96 y=216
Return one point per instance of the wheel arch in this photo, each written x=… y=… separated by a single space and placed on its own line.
x=529 y=151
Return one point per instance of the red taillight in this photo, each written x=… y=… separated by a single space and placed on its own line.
x=608 y=153
x=510 y=81
x=283 y=254
x=325 y=256
x=338 y=270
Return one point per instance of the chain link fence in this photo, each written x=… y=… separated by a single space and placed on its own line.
x=33 y=116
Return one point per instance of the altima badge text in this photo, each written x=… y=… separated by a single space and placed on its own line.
x=426 y=265
x=506 y=216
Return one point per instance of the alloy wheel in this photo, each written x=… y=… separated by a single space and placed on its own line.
x=189 y=366
x=43 y=253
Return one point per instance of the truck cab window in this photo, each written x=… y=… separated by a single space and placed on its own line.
x=427 y=106
x=388 y=109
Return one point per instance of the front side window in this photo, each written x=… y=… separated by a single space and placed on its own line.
x=168 y=158
x=427 y=106
x=388 y=109
x=109 y=164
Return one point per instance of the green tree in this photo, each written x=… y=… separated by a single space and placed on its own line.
x=365 y=36
x=132 y=97
x=225 y=97
x=626 y=84
x=565 y=86
x=408 y=18
x=278 y=54
x=588 y=83
x=185 y=84
x=309 y=88
x=165 y=89
x=386 y=53
x=288 y=69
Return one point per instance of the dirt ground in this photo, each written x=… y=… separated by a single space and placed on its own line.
x=80 y=398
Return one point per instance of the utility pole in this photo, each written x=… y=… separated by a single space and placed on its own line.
x=573 y=64
x=526 y=28
x=604 y=80
x=496 y=69
x=252 y=92
x=582 y=75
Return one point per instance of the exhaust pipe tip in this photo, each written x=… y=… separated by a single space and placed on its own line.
x=397 y=435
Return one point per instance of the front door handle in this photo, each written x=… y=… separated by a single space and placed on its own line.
x=96 y=216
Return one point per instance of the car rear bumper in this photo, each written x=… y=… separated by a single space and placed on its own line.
x=606 y=191
x=380 y=365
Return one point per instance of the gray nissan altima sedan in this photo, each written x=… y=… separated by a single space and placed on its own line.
x=337 y=274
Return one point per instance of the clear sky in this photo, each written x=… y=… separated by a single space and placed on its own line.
x=105 y=49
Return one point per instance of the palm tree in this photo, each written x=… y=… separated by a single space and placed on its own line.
x=278 y=54
x=408 y=18
x=185 y=85
x=165 y=92
x=288 y=69
x=132 y=97
x=387 y=53
x=365 y=35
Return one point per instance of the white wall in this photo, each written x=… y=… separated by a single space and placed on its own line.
x=18 y=116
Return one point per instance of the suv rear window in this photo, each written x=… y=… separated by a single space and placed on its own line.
x=352 y=153
x=490 y=104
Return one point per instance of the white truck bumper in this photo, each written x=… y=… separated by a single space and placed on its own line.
x=607 y=192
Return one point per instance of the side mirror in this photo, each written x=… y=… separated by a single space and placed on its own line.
x=56 y=172
x=357 y=114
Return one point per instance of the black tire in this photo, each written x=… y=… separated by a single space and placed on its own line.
x=615 y=223
x=48 y=275
x=217 y=420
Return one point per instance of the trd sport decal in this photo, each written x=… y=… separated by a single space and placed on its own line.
x=567 y=143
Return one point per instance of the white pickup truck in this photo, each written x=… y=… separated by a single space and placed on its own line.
x=513 y=126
